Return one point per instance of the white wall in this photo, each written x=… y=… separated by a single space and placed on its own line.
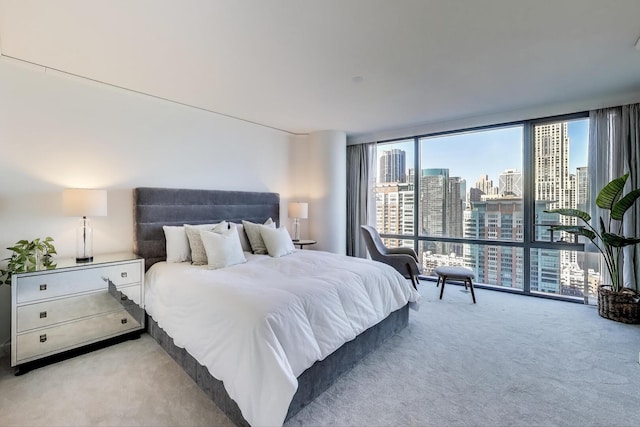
x=58 y=132
x=319 y=177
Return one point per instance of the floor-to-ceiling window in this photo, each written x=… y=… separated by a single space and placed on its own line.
x=477 y=198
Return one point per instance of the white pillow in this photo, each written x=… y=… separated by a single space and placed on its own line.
x=277 y=241
x=178 y=249
x=255 y=239
x=198 y=254
x=223 y=248
x=244 y=240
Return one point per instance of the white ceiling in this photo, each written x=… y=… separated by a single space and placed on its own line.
x=354 y=65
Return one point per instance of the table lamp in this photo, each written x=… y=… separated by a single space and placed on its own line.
x=84 y=202
x=297 y=211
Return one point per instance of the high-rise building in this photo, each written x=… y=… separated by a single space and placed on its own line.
x=553 y=182
x=552 y=178
x=455 y=207
x=475 y=195
x=442 y=203
x=392 y=167
x=510 y=183
x=394 y=210
x=434 y=192
x=582 y=188
x=485 y=185
x=501 y=218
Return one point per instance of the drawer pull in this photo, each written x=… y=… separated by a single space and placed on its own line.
x=43 y=314
x=124 y=298
x=43 y=287
x=123 y=321
x=43 y=337
x=123 y=274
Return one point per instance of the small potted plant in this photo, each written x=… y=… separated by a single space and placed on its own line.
x=28 y=256
x=615 y=301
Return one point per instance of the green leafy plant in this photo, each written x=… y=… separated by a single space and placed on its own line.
x=28 y=256
x=608 y=240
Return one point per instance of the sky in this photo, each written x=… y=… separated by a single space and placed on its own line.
x=489 y=152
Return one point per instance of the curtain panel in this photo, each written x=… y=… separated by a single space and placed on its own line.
x=614 y=140
x=360 y=202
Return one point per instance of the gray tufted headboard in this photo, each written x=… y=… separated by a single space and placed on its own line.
x=155 y=207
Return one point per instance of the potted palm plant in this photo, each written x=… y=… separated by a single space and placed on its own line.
x=615 y=301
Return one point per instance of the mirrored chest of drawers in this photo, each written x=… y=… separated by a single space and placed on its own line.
x=74 y=305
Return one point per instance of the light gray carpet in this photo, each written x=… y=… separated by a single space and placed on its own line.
x=506 y=361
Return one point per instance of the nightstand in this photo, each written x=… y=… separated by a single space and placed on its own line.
x=302 y=243
x=74 y=305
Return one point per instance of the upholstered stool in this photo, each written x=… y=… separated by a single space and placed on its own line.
x=445 y=272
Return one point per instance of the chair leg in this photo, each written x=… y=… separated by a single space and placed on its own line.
x=473 y=295
x=414 y=279
x=444 y=279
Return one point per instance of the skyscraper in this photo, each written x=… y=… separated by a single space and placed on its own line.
x=554 y=185
x=501 y=218
x=392 y=166
x=442 y=203
x=434 y=192
x=455 y=206
x=582 y=188
x=510 y=183
x=552 y=178
x=485 y=185
x=394 y=210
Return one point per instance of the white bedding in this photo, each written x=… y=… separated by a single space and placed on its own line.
x=257 y=326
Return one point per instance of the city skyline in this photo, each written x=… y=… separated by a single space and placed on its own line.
x=493 y=208
x=470 y=156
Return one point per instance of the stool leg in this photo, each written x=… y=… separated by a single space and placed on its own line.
x=438 y=282
x=473 y=295
x=444 y=279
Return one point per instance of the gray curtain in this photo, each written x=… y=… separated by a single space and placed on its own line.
x=614 y=140
x=360 y=172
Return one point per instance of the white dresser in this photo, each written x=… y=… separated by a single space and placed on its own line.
x=73 y=305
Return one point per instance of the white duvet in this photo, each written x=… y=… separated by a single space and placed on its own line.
x=257 y=326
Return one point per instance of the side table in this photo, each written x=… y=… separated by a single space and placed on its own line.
x=302 y=243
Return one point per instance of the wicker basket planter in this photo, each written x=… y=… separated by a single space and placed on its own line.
x=623 y=306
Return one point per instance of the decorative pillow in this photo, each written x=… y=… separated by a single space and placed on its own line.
x=277 y=241
x=255 y=239
x=244 y=240
x=198 y=254
x=223 y=248
x=178 y=249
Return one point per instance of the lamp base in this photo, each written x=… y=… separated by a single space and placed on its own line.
x=84 y=242
x=296 y=229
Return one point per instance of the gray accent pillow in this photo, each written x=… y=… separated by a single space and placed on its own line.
x=244 y=240
x=255 y=238
x=198 y=253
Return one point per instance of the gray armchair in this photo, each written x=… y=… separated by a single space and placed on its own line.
x=404 y=260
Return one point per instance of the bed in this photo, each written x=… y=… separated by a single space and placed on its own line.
x=297 y=360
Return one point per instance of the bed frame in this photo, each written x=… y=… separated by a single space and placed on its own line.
x=155 y=207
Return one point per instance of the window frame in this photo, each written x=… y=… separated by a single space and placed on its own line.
x=529 y=241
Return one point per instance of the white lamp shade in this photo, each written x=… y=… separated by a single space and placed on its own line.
x=84 y=202
x=298 y=210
